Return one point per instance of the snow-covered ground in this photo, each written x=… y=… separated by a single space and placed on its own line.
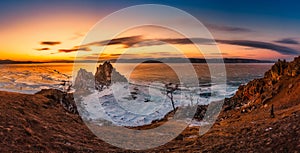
x=139 y=104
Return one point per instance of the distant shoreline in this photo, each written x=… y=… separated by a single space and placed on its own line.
x=149 y=60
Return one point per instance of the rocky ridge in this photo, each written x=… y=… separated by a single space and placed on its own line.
x=258 y=92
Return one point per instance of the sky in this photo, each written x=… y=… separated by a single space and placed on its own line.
x=56 y=30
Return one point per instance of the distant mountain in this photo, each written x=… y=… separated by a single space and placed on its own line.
x=150 y=60
x=192 y=60
x=16 y=62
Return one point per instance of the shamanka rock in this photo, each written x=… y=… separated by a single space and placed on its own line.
x=107 y=74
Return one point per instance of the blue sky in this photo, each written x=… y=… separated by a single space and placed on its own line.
x=275 y=22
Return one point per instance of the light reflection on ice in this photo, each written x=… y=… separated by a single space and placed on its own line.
x=122 y=111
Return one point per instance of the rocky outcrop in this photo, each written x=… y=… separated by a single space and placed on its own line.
x=259 y=91
x=117 y=77
x=284 y=69
x=103 y=74
x=84 y=80
x=65 y=99
x=107 y=74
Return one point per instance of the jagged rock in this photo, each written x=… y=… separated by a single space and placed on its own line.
x=117 y=77
x=260 y=91
x=200 y=112
x=283 y=68
x=84 y=80
x=65 y=99
x=103 y=74
x=106 y=74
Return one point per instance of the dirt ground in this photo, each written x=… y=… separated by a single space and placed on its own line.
x=33 y=123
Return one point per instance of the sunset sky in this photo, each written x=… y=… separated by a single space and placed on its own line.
x=52 y=30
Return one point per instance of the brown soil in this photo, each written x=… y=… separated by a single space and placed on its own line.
x=35 y=123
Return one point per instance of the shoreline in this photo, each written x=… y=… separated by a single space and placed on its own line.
x=148 y=60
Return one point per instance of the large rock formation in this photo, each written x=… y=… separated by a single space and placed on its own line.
x=259 y=91
x=107 y=74
x=84 y=80
x=103 y=74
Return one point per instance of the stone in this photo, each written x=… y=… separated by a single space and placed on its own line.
x=63 y=98
x=258 y=92
x=106 y=74
x=103 y=74
x=84 y=80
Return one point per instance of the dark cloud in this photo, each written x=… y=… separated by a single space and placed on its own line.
x=228 y=28
x=183 y=41
x=262 y=45
x=82 y=48
x=67 y=50
x=287 y=41
x=51 y=43
x=75 y=49
x=247 y=43
x=105 y=56
x=138 y=41
x=42 y=49
x=126 y=41
x=114 y=54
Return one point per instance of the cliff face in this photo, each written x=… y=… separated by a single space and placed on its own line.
x=84 y=80
x=103 y=74
x=107 y=74
x=259 y=92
